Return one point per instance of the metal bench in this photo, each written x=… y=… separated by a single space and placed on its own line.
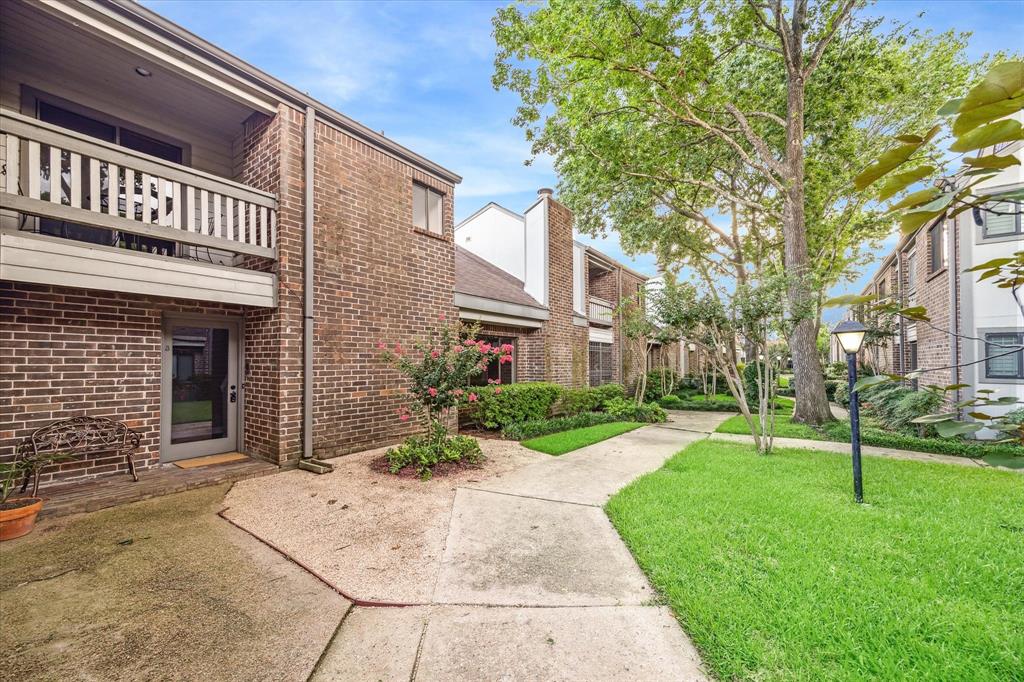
x=70 y=438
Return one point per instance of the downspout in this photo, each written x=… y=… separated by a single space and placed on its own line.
x=953 y=269
x=307 y=288
x=307 y=461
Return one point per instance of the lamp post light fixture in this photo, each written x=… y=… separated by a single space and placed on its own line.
x=850 y=335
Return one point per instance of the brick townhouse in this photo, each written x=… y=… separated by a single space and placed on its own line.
x=526 y=281
x=163 y=280
x=969 y=321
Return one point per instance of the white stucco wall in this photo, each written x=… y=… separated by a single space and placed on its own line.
x=536 y=251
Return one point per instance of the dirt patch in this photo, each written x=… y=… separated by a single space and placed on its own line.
x=161 y=589
x=441 y=470
x=374 y=535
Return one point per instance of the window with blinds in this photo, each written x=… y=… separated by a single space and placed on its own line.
x=1001 y=219
x=602 y=364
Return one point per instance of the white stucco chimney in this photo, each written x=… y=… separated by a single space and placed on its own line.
x=536 y=247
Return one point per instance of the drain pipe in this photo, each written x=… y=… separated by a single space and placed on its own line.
x=307 y=461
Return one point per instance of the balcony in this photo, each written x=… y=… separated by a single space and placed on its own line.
x=97 y=204
x=600 y=311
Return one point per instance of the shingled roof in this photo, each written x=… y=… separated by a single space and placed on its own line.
x=476 y=277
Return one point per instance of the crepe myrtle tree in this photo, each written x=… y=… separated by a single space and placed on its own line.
x=975 y=124
x=643 y=332
x=441 y=367
x=716 y=325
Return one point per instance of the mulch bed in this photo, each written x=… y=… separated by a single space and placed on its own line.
x=380 y=465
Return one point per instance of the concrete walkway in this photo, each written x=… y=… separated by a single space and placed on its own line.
x=869 y=450
x=534 y=582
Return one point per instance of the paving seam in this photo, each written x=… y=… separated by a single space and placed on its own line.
x=330 y=641
x=528 y=497
x=419 y=650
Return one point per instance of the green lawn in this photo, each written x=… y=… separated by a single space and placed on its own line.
x=784 y=428
x=777 y=574
x=574 y=439
x=191 y=411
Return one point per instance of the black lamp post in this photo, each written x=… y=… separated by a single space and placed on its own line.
x=851 y=337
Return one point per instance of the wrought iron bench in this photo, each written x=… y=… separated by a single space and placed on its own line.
x=70 y=438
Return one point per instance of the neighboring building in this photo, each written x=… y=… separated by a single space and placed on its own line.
x=927 y=269
x=162 y=282
x=527 y=282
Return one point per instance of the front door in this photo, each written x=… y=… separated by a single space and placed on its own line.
x=200 y=396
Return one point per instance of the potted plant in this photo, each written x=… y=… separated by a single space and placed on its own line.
x=17 y=514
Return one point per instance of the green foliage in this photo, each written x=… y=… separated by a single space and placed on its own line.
x=842 y=394
x=918 y=581
x=542 y=427
x=873 y=434
x=499 y=406
x=591 y=399
x=831 y=385
x=427 y=451
x=660 y=382
x=627 y=410
x=567 y=441
x=783 y=381
x=700 y=403
x=750 y=384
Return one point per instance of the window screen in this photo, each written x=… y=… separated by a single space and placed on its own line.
x=426 y=209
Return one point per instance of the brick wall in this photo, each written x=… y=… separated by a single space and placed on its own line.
x=377 y=279
x=528 y=358
x=72 y=352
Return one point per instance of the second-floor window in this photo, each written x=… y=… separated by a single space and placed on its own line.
x=937 y=247
x=426 y=209
x=1003 y=219
x=1001 y=362
x=912 y=277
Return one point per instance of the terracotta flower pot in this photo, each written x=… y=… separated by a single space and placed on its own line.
x=18 y=517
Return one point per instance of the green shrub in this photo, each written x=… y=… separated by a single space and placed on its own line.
x=653 y=390
x=542 y=427
x=698 y=403
x=750 y=384
x=872 y=434
x=499 y=406
x=592 y=399
x=783 y=381
x=830 y=388
x=913 y=405
x=427 y=451
x=836 y=370
x=842 y=394
x=788 y=392
x=627 y=410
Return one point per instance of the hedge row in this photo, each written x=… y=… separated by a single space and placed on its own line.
x=542 y=427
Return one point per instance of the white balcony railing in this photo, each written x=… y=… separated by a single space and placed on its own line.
x=108 y=186
x=600 y=311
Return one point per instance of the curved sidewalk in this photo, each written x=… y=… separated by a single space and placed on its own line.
x=534 y=582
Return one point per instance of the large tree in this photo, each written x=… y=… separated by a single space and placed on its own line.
x=716 y=131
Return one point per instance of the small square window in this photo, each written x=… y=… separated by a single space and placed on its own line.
x=427 y=209
x=1002 y=362
x=1001 y=219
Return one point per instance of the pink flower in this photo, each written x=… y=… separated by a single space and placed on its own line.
x=458 y=349
x=432 y=391
x=434 y=354
x=404 y=417
x=507 y=348
x=472 y=397
x=398 y=348
x=441 y=317
x=497 y=390
x=458 y=392
x=381 y=345
x=469 y=342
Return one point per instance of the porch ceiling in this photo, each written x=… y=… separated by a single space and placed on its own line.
x=67 y=61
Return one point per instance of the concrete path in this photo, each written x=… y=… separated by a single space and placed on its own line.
x=869 y=450
x=534 y=582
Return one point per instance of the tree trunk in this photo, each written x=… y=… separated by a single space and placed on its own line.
x=809 y=381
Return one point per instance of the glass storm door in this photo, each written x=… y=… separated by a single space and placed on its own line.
x=200 y=389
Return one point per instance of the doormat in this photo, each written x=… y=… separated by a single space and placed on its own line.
x=222 y=458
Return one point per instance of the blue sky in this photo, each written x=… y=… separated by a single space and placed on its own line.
x=421 y=73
